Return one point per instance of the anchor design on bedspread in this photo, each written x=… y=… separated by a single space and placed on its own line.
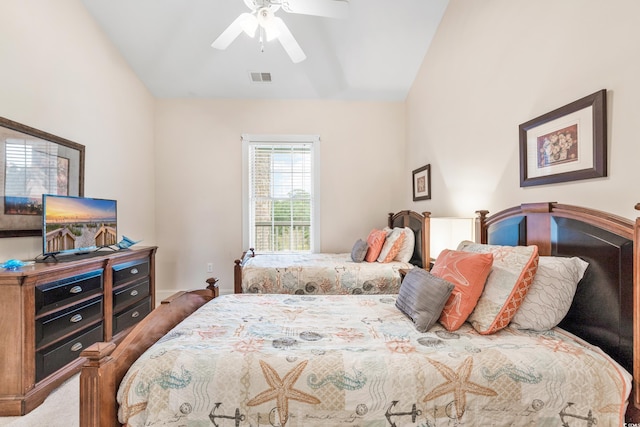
x=591 y=421
x=237 y=417
x=414 y=413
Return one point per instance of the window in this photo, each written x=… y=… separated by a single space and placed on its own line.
x=32 y=167
x=280 y=193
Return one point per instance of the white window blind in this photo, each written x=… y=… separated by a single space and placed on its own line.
x=32 y=168
x=280 y=198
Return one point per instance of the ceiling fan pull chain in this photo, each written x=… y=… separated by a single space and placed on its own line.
x=261 y=39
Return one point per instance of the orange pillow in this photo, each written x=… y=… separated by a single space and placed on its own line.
x=468 y=272
x=375 y=241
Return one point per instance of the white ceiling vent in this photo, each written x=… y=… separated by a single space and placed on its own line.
x=260 y=77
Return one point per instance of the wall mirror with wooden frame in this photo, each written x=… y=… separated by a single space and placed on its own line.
x=34 y=163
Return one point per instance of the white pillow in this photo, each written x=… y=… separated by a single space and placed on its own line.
x=406 y=249
x=551 y=293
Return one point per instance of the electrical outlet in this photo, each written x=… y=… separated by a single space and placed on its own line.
x=210 y=267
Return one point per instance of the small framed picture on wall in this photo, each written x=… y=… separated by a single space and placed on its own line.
x=422 y=183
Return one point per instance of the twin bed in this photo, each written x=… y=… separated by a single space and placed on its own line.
x=319 y=360
x=333 y=274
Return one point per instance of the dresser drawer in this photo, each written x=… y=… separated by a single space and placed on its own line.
x=125 y=272
x=130 y=317
x=56 y=294
x=130 y=294
x=53 y=326
x=50 y=359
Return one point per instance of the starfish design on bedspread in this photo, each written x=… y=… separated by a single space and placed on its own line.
x=130 y=411
x=282 y=390
x=457 y=383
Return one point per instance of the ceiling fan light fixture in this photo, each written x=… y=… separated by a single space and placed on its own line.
x=266 y=19
x=264 y=16
x=272 y=27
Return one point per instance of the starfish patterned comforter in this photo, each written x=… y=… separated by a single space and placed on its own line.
x=320 y=273
x=356 y=360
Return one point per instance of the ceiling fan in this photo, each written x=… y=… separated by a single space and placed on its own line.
x=262 y=17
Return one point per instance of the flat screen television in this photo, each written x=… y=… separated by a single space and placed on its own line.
x=77 y=224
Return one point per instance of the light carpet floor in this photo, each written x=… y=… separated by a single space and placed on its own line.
x=60 y=409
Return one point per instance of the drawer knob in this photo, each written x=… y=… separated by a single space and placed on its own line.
x=76 y=347
x=76 y=318
x=134 y=270
x=134 y=293
x=75 y=290
x=135 y=314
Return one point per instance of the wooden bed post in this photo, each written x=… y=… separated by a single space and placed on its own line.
x=426 y=241
x=635 y=398
x=237 y=277
x=106 y=364
x=98 y=407
x=481 y=231
x=237 y=270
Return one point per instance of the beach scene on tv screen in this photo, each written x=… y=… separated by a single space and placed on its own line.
x=79 y=223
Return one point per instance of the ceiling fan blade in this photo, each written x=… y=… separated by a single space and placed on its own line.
x=245 y=22
x=288 y=42
x=328 y=8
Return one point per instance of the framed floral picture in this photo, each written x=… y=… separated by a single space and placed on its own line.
x=567 y=144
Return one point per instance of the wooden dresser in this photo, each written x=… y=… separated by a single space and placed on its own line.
x=49 y=312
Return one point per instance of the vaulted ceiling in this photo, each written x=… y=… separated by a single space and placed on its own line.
x=373 y=54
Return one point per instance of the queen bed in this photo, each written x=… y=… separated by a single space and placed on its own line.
x=337 y=273
x=311 y=360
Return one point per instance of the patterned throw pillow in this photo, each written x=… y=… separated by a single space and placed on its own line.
x=512 y=273
x=468 y=272
x=375 y=241
x=551 y=293
x=408 y=244
x=422 y=297
x=359 y=251
x=392 y=245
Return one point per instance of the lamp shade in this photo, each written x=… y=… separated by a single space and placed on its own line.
x=448 y=232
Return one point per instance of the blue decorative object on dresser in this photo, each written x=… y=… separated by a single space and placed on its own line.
x=126 y=242
x=14 y=264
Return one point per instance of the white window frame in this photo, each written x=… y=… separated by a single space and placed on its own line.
x=251 y=139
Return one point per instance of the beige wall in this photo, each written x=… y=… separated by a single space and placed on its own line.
x=59 y=74
x=497 y=63
x=199 y=176
x=176 y=172
x=174 y=165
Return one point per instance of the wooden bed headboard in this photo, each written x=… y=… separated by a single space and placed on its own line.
x=602 y=311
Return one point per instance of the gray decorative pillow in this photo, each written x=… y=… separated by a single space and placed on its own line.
x=422 y=297
x=359 y=250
